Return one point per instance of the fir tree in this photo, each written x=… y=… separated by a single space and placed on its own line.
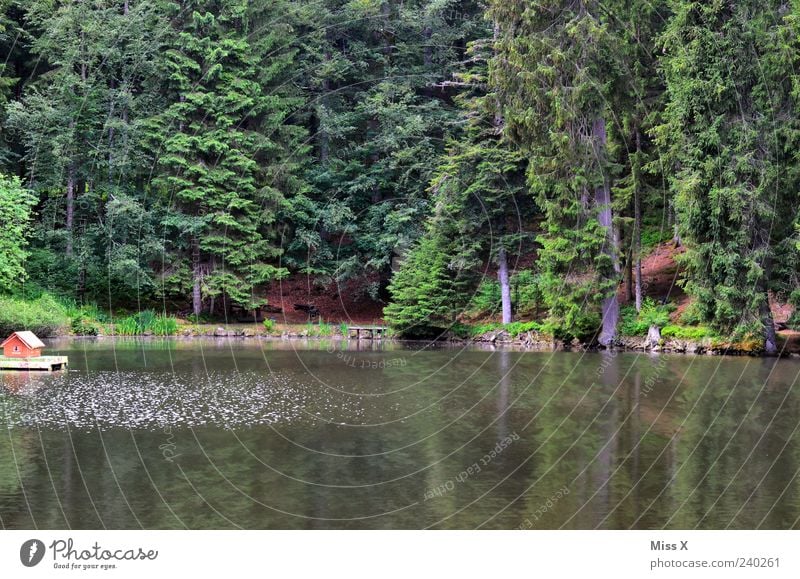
x=557 y=72
x=223 y=143
x=732 y=132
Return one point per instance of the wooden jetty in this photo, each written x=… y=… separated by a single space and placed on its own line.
x=23 y=351
x=370 y=332
x=46 y=363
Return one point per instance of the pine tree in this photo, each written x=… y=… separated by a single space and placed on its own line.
x=557 y=73
x=731 y=133
x=382 y=111
x=428 y=292
x=480 y=186
x=224 y=143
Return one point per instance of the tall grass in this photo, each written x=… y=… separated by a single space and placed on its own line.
x=146 y=322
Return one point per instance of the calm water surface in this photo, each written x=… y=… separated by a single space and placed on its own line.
x=257 y=434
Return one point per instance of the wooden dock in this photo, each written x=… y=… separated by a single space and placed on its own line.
x=46 y=363
x=370 y=332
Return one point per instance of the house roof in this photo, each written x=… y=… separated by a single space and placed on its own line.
x=28 y=338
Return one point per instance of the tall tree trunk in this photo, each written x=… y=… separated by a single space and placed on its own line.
x=197 y=297
x=602 y=199
x=70 y=208
x=427 y=55
x=770 y=337
x=629 y=274
x=637 y=224
x=505 y=287
x=676 y=233
x=111 y=134
x=765 y=313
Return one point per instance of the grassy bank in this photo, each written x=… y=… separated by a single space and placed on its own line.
x=49 y=316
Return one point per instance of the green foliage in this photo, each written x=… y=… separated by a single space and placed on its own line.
x=15 y=214
x=84 y=326
x=630 y=325
x=526 y=293
x=379 y=125
x=651 y=314
x=653 y=236
x=321 y=329
x=44 y=316
x=269 y=325
x=731 y=135
x=582 y=326
x=560 y=72
x=164 y=326
x=654 y=314
x=687 y=333
x=146 y=322
x=172 y=146
x=427 y=293
x=517 y=328
x=692 y=315
x=794 y=320
x=221 y=143
x=486 y=299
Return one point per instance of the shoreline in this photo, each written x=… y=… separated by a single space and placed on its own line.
x=530 y=341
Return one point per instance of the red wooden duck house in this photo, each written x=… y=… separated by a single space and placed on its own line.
x=23 y=351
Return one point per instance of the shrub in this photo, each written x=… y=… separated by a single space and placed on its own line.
x=84 y=326
x=486 y=299
x=794 y=320
x=44 y=316
x=651 y=314
x=517 y=328
x=526 y=294
x=687 y=332
x=692 y=315
x=269 y=325
x=630 y=324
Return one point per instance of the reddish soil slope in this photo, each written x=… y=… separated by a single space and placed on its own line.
x=347 y=303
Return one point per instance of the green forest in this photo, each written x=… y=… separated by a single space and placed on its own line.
x=461 y=164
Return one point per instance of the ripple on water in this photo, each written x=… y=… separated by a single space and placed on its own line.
x=157 y=400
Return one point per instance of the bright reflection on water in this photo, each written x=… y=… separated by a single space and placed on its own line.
x=256 y=434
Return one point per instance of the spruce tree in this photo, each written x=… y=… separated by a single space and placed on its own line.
x=224 y=144
x=731 y=132
x=558 y=72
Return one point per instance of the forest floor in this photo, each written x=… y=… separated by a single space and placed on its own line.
x=660 y=275
x=349 y=303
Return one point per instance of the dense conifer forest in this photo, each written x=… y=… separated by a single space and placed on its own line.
x=464 y=164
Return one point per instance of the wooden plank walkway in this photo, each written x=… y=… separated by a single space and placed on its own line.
x=46 y=363
x=370 y=332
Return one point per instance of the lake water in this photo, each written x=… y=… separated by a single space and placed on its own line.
x=237 y=433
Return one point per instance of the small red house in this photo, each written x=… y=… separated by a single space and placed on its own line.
x=22 y=345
